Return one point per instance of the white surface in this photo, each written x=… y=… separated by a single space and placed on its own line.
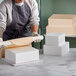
x=55 y=39
x=56 y=50
x=21 y=54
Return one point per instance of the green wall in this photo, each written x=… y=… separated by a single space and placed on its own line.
x=65 y=6
x=46 y=11
x=1 y=1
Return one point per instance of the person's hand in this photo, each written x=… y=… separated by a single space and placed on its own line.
x=36 y=34
x=2 y=49
x=1 y=46
x=1 y=40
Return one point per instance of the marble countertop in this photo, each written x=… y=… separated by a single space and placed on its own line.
x=47 y=66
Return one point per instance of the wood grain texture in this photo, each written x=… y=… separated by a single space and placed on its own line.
x=21 y=41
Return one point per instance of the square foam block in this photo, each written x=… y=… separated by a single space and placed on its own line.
x=62 y=20
x=55 y=39
x=67 y=30
x=21 y=55
x=56 y=50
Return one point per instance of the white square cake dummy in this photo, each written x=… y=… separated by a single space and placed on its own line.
x=56 y=50
x=62 y=20
x=55 y=39
x=21 y=55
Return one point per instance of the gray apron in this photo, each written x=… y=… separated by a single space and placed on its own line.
x=20 y=22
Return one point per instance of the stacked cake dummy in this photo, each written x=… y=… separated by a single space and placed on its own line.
x=63 y=23
x=55 y=44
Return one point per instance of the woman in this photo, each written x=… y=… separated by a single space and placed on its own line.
x=18 y=18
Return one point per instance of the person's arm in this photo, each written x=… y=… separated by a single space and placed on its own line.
x=3 y=17
x=1 y=32
x=34 y=30
x=34 y=19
